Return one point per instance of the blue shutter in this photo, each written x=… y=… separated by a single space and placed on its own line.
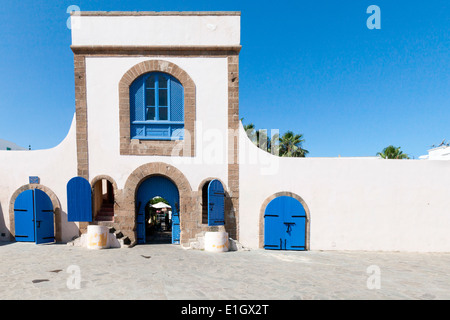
x=176 y=100
x=137 y=107
x=24 y=217
x=43 y=208
x=79 y=200
x=216 y=204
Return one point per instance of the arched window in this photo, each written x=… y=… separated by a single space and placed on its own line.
x=156 y=107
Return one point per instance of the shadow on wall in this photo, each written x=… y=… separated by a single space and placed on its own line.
x=68 y=230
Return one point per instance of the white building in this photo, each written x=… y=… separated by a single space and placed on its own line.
x=157 y=114
x=438 y=153
x=8 y=145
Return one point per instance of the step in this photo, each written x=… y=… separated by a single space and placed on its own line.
x=105 y=213
x=104 y=218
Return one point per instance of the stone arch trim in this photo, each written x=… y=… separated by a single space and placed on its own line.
x=185 y=148
x=200 y=186
x=56 y=208
x=228 y=203
x=126 y=214
x=115 y=189
x=263 y=209
x=106 y=177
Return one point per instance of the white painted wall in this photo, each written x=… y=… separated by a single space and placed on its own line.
x=156 y=30
x=211 y=79
x=55 y=167
x=354 y=203
x=438 y=153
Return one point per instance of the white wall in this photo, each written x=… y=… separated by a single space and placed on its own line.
x=55 y=167
x=177 y=30
x=354 y=203
x=211 y=79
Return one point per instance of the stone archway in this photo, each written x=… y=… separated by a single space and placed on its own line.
x=97 y=196
x=56 y=209
x=126 y=213
x=263 y=209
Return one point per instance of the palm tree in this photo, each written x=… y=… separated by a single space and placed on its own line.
x=291 y=145
x=391 y=152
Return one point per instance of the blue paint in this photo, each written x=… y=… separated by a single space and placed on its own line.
x=156 y=107
x=216 y=203
x=152 y=187
x=43 y=212
x=33 y=217
x=285 y=225
x=79 y=200
x=24 y=217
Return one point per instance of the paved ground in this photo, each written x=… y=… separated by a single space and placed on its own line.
x=156 y=272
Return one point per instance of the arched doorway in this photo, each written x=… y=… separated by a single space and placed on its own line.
x=103 y=200
x=34 y=217
x=285 y=224
x=152 y=191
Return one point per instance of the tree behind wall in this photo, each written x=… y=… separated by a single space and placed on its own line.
x=391 y=152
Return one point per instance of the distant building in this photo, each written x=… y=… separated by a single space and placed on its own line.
x=438 y=153
x=8 y=145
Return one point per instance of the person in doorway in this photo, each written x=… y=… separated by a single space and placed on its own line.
x=166 y=220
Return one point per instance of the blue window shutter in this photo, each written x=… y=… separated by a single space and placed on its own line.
x=172 y=112
x=79 y=200
x=176 y=100
x=137 y=100
x=216 y=204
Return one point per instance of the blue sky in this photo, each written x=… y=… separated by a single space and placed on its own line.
x=312 y=67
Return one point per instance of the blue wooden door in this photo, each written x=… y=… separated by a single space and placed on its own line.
x=43 y=213
x=285 y=224
x=79 y=200
x=216 y=204
x=33 y=217
x=24 y=217
x=176 y=225
x=140 y=223
x=294 y=221
x=273 y=225
x=162 y=187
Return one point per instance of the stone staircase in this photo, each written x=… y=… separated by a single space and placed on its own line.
x=106 y=212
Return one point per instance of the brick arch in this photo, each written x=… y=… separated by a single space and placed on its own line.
x=128 y=203
x=106 y=177
x=152 y=147
x=202 y=217
x=115 y=190
x=263 y=209
x=56 y=209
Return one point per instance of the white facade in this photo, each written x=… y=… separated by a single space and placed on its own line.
x=438 y=153
x=352 y=203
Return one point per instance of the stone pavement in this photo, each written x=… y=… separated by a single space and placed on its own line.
x=168 y=272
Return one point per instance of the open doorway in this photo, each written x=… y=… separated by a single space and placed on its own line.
x=158 y=221
x=103 y=200
x=155 y=193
